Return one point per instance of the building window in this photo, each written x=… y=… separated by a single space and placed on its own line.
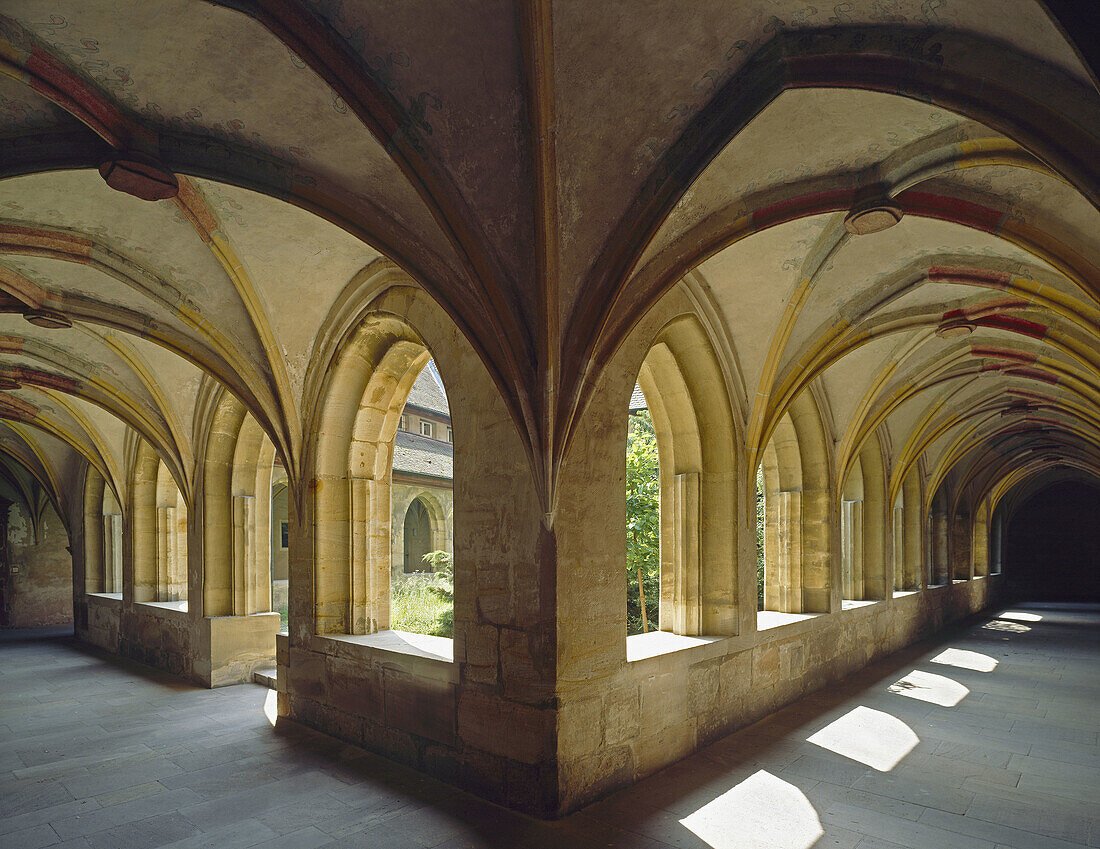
x=450 y=434
x=404 y=423
x=425 y=428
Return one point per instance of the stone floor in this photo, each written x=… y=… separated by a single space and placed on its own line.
x=985 y=737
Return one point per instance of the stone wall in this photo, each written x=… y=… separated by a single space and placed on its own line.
x=652 y=712
x=39 y=571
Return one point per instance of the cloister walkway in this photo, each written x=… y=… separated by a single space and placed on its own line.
x=985 y=737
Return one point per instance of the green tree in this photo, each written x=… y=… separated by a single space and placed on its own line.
x=443 y=589
x=643 y=522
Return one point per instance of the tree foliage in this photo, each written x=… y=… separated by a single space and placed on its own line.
x=643 y=522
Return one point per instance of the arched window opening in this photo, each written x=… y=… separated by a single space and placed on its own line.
x=102 y=537
x=680 y=488
x=962 y=532
x=863 y=523
x=643 y=519
x=239 y=468
x=939 y=530
x=780 y=479
x=997 y=541
x=897 y=536
x=979 y=546
x=171 y=540
x=422 y=510
x=908 y=536
x=112 y=542
x=851 y=535
x=280 y=545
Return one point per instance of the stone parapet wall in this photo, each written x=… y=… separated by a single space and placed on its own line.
x=653 y=712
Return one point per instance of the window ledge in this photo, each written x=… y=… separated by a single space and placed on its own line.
x=904 y=593
x=418 y=654
x=167 y=609
x=768 y=619
x=856 y=603
x=107 y=597
x=643 y=646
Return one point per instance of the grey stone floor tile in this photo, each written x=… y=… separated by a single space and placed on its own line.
x=304 y=838
x=35 y=837
x=102 y=819
x=237 y=835
x=143 y=753
x=149 y=833
x=907 y=832
x=1001 y=835
x=9 y=824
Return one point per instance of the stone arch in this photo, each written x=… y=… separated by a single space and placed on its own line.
x=439 y=519
x=798 y=506
x=171 y=542
x=417 y=531
x=237 y=513
x=696 y=435
x=94 y=537
x=143 y=523
x=979 y=545
x=940 y=532
x=851 y=534
x=361 y=394
x=863 y=511
x=111 y=523
x=781 y=467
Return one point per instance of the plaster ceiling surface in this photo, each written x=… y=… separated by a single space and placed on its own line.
x=76 y=346
x=177 y=379
x=298 y=263
x=193 y=67
x=867 y=265
x=153 y=236
x=847 y=381
x=928 y=296
x=23 y=110
x=804 y=134
x=755 y=278
x=461 y=66
x=1035 y=197
x=630 y=76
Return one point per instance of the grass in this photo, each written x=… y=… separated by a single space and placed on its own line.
x=419 y=607
x=416 y=606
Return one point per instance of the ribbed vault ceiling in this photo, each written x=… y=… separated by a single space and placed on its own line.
x=547 y=170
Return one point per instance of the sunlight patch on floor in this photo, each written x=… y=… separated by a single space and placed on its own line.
x=928 y=687
x=1020 y=616
x=762 y=812
x=964 y=659
x=271 y=707
x=1005 y=625
x=869 y=736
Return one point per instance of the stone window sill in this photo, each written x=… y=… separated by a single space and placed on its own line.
x=111 y=599
x=768 y=619
x=656 y=643
x=165 y=609
x=904 y=593
x=857 y=603
x=417 y=654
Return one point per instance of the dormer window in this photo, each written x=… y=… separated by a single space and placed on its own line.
x=425 y=428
